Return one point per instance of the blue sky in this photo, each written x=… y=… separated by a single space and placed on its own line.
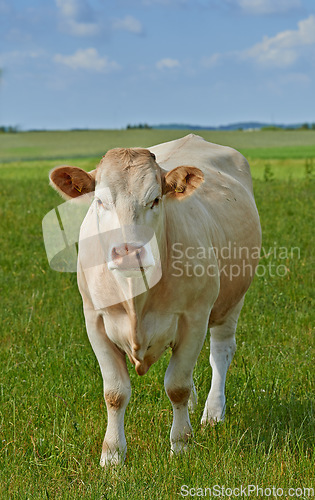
x=107 y=63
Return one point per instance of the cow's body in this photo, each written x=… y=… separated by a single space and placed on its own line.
x=208 y=247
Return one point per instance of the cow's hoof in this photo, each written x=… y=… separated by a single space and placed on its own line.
x=211 y=419
x=178 y=448
x=211 y=422
x=213 y=413
x=181 y=445
x=110 y=458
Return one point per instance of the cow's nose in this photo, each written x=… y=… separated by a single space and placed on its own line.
x=128 y=249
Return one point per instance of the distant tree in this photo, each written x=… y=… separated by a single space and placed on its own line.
x=305 y=126
x=10 y=129
x=269 y=128
x=313 y=126
x=140 y=126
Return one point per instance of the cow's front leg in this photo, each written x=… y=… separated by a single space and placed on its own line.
x=178 y=382
x=117 y=389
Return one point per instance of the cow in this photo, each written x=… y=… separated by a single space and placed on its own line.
x=167 y=249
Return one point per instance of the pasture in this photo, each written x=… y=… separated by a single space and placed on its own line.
x=52 y=413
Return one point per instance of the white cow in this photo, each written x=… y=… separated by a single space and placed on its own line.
x=168 y=248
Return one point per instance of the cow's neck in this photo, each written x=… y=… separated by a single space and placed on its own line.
x=137 y=306
x=134 y=308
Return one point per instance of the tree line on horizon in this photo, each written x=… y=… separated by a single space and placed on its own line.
x=13 y=129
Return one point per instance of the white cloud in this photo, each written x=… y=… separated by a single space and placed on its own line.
x=87 y=59
x=77 y=17
x=296 y=78
x=68 y=8
x=128 y=23
x=83 y=29
x=211 y=61
x=75 y=9
x=20 y=56
x=167 y=64
x=258 y=7
x=283 y=49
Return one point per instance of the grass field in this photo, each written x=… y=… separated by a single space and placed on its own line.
x=52 y=414
x=94 y=143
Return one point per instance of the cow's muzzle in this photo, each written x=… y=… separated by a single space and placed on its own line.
x=128 y=255
x=131 y=258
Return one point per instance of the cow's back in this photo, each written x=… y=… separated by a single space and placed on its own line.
x=209 y=157
x=228 y=214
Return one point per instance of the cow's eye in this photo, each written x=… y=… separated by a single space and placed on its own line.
x=102 y=204
x=155 y=202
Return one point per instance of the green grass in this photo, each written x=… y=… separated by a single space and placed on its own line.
x=52 y=414
x=285 y=154
x=74 y=144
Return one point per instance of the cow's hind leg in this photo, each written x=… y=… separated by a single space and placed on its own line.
x=193 y=399
x=222 y=349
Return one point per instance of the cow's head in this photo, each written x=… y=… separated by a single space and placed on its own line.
x=130 y=190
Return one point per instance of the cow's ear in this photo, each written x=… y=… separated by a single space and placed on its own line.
x=71 y=182
x=182 y=181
